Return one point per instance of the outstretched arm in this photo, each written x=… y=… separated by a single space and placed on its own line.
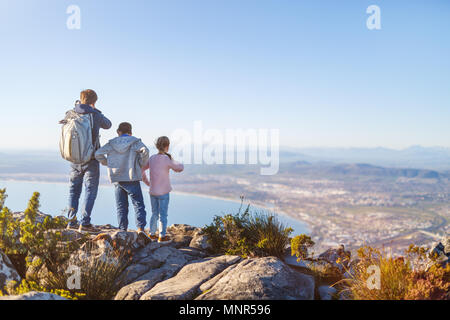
x=144 y=174
x=176 y=166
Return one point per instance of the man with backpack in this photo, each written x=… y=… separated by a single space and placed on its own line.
x=79 y=141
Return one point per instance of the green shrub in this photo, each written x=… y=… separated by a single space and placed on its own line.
x=32 y=239
x=300 y=246
x=30 y=243
x=269 y=234
x=41 y=245
x=9 y=228
x=248 y=234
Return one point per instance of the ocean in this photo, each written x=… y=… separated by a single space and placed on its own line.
x=189 y=209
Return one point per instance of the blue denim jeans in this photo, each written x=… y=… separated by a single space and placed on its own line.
x=132 y=189
x=90 y=175
x=160 y=206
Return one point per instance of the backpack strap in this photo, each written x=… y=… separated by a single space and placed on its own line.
x=91 y=120
x=96 y=143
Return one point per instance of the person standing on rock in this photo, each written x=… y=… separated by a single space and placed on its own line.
x=125 y=156
x=79 y=140
x=159 y=166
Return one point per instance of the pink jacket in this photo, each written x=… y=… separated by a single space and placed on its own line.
x=160 y=165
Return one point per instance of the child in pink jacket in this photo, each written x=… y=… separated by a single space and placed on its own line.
x=159 y=165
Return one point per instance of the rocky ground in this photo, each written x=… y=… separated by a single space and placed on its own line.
x=185 y=270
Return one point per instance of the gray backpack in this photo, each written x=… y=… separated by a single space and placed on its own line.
x=76 y=143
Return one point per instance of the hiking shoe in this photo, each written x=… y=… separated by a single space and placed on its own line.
x=89 y=229
x=72 y=226
x=164 y=239
x=153 y=237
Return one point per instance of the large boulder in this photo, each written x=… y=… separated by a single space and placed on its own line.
x=151 y=257
x=261 y=278
x=182 y=234
x=34 y=295
x=173 y=259
x=146 y=271
x=7 y=271
x=111 y=245
x=185 y=285
x=200 y=241
x=337 y=257
x=40 y=216
x=210 y=283
x=446 y=243
x=441 y=251
x=134 y=290
x=125 y=240
x=182 y=229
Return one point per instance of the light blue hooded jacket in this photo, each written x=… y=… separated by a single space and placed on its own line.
x=124 y=156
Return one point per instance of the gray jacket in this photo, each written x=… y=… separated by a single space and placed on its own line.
x=124 y=156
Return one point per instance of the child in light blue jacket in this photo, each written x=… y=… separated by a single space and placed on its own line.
x=125 y=157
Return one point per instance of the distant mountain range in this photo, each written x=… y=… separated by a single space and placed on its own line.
x=433 y=158
x=358 y=169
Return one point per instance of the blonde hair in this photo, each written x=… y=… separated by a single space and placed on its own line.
x=161 y=144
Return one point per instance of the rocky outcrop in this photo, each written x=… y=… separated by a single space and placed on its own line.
x=184 y=269
x=135 y=290
x=446 y=243
x=181 y=234
x=210 y=283
x=34 y=296
x=200 y=241
x=261 y=278
x=337 y=257
x=441 y=251
x=185 y=285
x=40 y=217
x=158 y=265
x=7 y=271
x=174 y=271
x=153 y=264
x=108 y=246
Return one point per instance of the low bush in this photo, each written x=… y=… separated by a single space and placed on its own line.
x=412 y=277
x=32 y=241
x=248 y=234
x=300 y=246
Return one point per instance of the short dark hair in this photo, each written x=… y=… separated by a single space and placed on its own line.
x=88 y=97
x=125 y=127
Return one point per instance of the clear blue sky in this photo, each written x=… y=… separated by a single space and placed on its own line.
x=309 y=68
